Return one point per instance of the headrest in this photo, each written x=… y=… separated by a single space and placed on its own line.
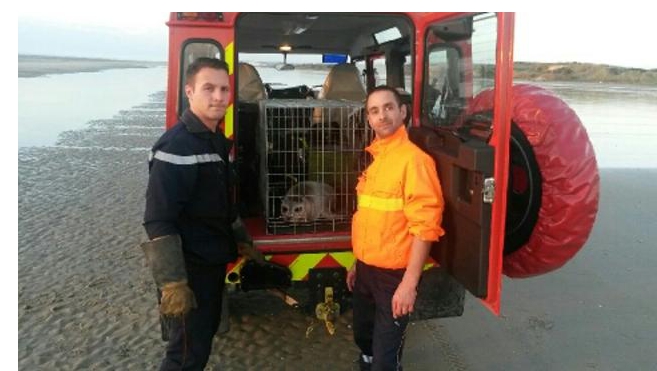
x=343 y=82
x=250 y=85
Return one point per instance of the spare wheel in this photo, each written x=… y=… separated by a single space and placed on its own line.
x=553 y=187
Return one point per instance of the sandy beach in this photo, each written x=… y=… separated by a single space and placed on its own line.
x=37 y=65
x=86 y=300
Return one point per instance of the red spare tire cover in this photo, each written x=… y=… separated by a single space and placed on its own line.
x=570 y=179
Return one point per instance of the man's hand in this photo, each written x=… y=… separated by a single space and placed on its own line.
x=248 y=251
x=177 y=299
x=351 y=278
x=403 y=300
x=244 y=241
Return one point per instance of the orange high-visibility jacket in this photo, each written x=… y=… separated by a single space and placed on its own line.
x=399 y=197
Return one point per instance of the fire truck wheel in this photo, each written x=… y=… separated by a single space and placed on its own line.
x=523 y=197
x=553 y=187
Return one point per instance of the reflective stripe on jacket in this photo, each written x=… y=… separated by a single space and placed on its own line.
x=399 y=197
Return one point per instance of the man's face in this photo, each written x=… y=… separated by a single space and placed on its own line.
x=384 y=115
x=209 y=95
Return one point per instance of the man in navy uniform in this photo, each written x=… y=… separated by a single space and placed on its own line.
x=190 y=219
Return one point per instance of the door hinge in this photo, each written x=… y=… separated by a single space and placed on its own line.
x=489 y=190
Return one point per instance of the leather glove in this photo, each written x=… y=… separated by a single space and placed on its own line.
x=177 y=299
x=164 y=255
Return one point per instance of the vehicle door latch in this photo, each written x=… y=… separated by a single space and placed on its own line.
x=489 y=190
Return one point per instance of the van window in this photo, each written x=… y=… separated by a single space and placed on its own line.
x=191 y=51
x=408 y=75
x=458 y=51
x=361 y=68
x=380 y=75
x=483 y=52
x=380 y=72
x=437 y=83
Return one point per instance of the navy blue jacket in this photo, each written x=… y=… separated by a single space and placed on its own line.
x=188 y=191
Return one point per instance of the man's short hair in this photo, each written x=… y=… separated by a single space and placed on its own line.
x=204 y=62
x=394 y=92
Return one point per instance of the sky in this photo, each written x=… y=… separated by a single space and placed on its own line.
x=546 y=33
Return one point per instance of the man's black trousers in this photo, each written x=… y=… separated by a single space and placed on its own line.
x=376 y=332
x=190 y=339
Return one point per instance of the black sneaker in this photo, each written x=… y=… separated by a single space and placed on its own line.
x=365 y=362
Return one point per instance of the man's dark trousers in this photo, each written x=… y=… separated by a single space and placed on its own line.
x=376 y=332
x=190 y=339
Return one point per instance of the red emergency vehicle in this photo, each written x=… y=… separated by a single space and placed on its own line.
x=518 y=171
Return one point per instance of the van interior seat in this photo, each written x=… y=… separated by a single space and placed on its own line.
x=250 y=85
x=343 y=82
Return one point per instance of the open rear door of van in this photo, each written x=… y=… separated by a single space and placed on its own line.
x=459 y=56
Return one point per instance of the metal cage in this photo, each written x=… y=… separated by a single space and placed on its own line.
x=312 y=152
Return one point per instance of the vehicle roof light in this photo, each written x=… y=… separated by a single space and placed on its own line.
x=389 y=34
x=200 y=16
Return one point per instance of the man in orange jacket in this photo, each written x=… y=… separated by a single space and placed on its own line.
x=399 y=215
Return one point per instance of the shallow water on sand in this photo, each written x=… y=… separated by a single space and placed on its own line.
x=49 y=105
x=619 y=118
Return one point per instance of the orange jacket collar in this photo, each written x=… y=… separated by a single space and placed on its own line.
x=378 y=145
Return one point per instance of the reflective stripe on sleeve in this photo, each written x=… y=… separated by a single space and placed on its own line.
x=379 y=203
x=185 y=160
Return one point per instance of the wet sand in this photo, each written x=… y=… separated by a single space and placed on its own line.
x=595 y=313
x=86 y=300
